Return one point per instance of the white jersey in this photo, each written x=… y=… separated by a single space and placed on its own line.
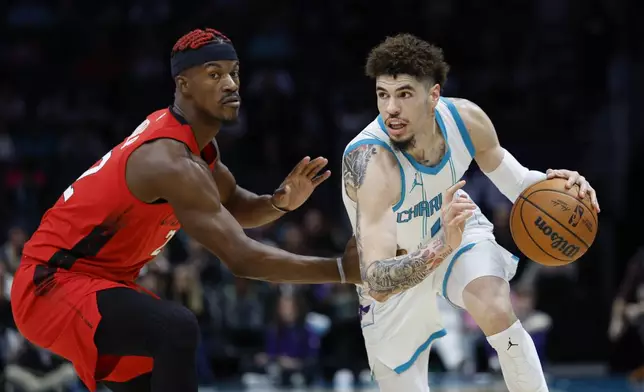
x=423 y=187
x=418 y=218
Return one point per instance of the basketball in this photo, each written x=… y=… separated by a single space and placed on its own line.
x=551 y=225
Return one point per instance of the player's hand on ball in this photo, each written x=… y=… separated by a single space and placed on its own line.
x=573 y=178
x=459 y=209
x=298 y=186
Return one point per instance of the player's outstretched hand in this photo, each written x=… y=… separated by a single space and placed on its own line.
x=459 y=208
x=298 y=186
x=573 y=178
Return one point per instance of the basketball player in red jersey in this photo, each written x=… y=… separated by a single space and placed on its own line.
x=74 y=292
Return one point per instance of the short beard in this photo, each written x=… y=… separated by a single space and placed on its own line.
x=404 y=145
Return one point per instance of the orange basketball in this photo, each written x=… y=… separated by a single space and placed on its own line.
x=551 y=224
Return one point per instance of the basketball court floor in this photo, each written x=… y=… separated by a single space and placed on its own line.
x=474 y=384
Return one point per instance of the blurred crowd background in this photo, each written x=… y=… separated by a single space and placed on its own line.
x=563 y=81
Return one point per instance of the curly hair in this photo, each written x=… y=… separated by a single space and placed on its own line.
x=407 y=54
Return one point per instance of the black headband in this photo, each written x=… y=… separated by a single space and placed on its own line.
x=215 y=51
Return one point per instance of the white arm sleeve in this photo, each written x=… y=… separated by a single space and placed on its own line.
x=512 y=178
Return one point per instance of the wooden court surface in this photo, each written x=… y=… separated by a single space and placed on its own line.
x=594 y=384
x=453 y=388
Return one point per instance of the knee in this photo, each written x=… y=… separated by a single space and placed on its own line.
x=180 y=328
x=487 y=299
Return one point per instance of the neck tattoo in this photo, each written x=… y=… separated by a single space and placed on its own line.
x=434 y=154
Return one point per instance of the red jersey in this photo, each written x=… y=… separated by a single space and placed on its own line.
x=97 y=226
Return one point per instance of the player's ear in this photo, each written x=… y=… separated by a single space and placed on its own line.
x=435 y=94
x=182 y=84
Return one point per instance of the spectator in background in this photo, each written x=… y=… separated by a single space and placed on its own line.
x=207 y=265
x=242 y=308
x=7 y=149
x=155 y=276
x=291 y=348
x=293 y=238
x=33 y=369
x=24 y=187
x=628 y=307
x=343 y=355
x=6 y=320
x=12 y=249
x=535 y=322
x=151 y=280
x=187 y=290
x=316 y=232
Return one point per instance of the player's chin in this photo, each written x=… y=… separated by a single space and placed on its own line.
x=402 y=142
x=404 y=137
x=400 y=138
x=228 y=114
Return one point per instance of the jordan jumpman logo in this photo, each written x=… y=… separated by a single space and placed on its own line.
x=510 y=344
x=418 y=180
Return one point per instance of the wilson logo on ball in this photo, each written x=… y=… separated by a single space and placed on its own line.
x=558 y=242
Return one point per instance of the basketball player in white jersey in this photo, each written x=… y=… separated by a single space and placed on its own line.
x=395 y=176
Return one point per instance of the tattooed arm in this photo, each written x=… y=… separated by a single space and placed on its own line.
x=375 y=220
x=372 y=180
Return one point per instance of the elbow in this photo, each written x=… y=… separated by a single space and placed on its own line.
x=380 y=294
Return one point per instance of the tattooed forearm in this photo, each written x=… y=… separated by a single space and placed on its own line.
x=354 y=166
x=390 y=276
x=382 y=278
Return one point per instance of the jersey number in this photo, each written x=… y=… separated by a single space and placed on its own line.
x=69 y=192
x=168 y=237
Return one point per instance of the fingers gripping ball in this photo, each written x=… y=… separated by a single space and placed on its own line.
x=551 y=225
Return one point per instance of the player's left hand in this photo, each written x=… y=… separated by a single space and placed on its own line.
x=573 y=178
x=300 y=183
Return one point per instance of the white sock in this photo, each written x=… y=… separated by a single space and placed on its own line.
x=519 y=360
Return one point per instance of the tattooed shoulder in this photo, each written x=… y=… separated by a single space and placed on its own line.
x=354 y=165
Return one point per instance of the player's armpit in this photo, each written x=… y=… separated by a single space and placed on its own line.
x=165 y=169
x=372 y=180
